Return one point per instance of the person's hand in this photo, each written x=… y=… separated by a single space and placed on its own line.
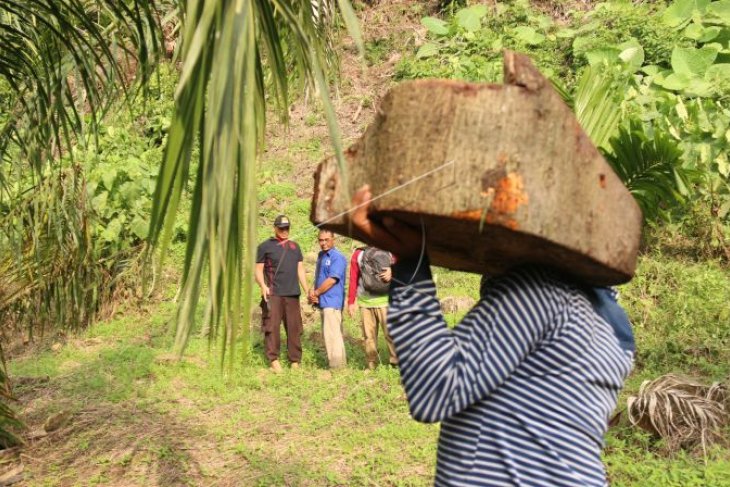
x=265 y=292
x=352 y=309
x=402 y=240
x=386 y=275
x=312 y=297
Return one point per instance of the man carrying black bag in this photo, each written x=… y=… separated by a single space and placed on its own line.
x=370 y=275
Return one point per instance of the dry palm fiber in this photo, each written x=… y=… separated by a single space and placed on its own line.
x=682 y=411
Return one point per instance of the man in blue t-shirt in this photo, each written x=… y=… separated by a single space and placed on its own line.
x=328 y=295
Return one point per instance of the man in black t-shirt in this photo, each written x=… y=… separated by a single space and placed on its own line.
x=278 y=268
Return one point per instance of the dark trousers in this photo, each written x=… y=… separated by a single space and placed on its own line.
x=277 y=309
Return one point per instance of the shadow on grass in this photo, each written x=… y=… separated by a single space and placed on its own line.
x=114 y=435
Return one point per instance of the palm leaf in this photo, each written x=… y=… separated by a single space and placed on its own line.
x=597 y=102
x=680 y=410
x=649 y=166
x=63 y=63
x=234 y=54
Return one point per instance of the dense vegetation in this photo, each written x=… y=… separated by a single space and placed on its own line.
x=667 y=71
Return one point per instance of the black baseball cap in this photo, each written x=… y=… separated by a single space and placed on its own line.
x=281 y=221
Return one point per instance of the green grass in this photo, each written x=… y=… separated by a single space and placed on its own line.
x=313 y=427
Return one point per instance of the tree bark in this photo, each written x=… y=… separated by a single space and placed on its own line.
x=499 y=176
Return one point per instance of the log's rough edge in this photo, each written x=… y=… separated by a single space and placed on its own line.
x=329 y=199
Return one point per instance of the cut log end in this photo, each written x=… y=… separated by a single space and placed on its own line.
x=499 y=175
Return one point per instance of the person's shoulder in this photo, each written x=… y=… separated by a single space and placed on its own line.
x=339 y=255
x=531 y=279
x=266 y=243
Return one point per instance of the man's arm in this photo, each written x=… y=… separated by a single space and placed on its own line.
x=354 y=277
x=445 y=371
x=335 y=273
x=325 y=286
x=302 y=274
x=260 y=280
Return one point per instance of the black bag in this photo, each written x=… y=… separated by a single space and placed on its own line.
x=374 y=262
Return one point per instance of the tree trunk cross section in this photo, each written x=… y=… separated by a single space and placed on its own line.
x=498 y=175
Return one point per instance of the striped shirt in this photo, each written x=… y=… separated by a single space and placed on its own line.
x=523 y=386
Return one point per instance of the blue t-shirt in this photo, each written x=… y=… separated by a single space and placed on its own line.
x=331 y=263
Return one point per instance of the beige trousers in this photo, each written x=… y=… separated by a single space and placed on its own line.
x=371 y=319
x=334 y=342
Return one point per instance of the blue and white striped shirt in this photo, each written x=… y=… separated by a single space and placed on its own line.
x=523 y=386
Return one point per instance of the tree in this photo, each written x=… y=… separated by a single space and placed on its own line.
x=63 y=64
x=234 y=54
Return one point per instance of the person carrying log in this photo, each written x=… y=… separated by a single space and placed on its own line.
x=524 y=385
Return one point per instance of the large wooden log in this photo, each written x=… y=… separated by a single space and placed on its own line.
x=499 y=176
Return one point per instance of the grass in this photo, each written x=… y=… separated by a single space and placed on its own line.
x=139 y=417
x=307 y=427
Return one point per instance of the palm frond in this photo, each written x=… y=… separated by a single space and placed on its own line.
x=649 y=166
x=597 y=102
x=9 y=421
x=683 y=412
x=62 y=65
x=234 y=54
x=65 y=61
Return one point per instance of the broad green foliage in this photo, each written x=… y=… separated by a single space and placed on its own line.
x=121 y=168
x=469 y=44
x=619 y=65
x=613 y=27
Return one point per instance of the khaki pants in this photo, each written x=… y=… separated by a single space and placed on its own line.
x=371 y=319
x=334 y=343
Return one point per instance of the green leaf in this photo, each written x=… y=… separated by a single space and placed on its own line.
x=681 y=11
x=701 y=34
x=435 y=26
x=675 y=81
x=651 y=69
x=528 y=35
x=108 y=178
x=690 y=61
x=469 y=18
x=694 y=31
x=427 y=50
x=607 y=55
x=720 y=10
x=699 y=87
x=112 y=230
x=544 y=22
x=99 y=202
x=719 y=76
x=139 y=227
x=633 y=57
